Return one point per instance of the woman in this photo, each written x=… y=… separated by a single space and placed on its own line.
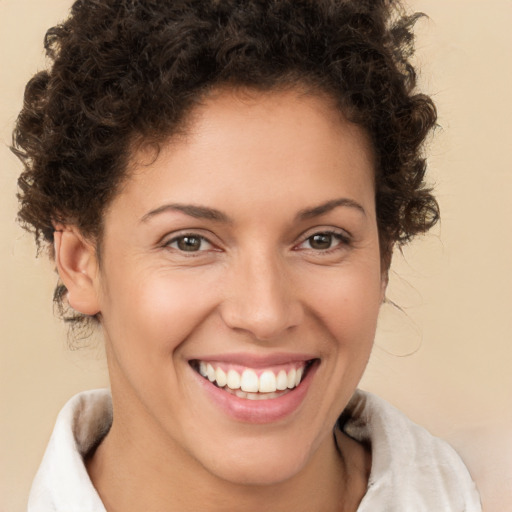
x=222 y=185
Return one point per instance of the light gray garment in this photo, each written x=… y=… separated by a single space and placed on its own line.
x=412 y=471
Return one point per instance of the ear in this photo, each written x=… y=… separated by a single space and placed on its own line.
x=77 y=265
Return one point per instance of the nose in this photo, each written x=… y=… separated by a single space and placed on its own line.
x=260 y=298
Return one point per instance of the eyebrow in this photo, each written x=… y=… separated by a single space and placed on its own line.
x=328 y=206
x=198 y=212
x=203 y=212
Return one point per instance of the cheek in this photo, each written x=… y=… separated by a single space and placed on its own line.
x=348 y=304
x=149 y=315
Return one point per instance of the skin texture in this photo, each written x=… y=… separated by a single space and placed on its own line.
x=257 y=286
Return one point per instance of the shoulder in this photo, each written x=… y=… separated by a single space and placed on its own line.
x=411 y=470
x=62 y=482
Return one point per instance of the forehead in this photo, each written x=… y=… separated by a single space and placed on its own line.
x=258 y=145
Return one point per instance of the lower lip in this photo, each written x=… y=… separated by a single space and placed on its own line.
x=258 y=411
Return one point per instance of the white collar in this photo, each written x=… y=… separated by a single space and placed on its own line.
x=411 y=469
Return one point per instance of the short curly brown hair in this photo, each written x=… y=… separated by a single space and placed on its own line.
x=125 y=70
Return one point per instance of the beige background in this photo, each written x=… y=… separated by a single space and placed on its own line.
x=455 y=285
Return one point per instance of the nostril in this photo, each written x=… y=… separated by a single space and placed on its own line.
x=259 y=296
x=263 y=322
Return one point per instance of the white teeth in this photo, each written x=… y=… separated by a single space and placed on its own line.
x=291 y=378
x=210 y=371
x=254 y=396
x=248 y=384
x=298 y=376
x=233 y=381
x=282 y=381
x=262 y=396
x=221 y=377
x=249 y=381
x=267 y=382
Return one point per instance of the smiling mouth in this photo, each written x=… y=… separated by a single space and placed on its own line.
x=252 y=383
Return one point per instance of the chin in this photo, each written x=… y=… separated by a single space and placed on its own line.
x=260 y=462
x=266 y=471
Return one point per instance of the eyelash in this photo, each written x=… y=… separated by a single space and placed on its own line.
x=175 y=240
x=343 y=240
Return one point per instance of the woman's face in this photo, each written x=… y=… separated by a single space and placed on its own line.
x=247 y=251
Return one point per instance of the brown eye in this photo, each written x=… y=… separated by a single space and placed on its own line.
x=189 y=243
x=321 y=241
x=324 y=241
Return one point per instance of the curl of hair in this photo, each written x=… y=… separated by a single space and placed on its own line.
x=128 y=70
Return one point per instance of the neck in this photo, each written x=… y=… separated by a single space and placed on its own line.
x=135 y=469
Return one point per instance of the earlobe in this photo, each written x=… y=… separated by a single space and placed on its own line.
x=78 y=269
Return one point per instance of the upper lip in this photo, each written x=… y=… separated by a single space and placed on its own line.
x=255 y=360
